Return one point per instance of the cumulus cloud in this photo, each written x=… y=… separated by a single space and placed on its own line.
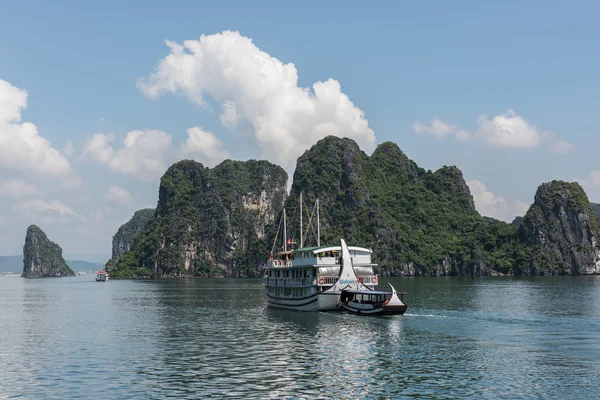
x=118 y=195
x=204 y=147
x=144 y=155
x=591 y=184
x=491 y=205
x=72 y=182
x=261 y=91
x=35 y=206
x=68 y=149
x=436 y=127
x=230 y=116
x=555 y=145
x=507 y=130
x=21 y=146
x=98 y=147
x=17 y=189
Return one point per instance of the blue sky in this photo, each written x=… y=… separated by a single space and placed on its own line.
x=401 y=63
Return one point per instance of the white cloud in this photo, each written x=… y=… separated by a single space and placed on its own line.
x=118 y=195
x=229 y=117
x=436 y=128
x=491 y=205
x=204 y=147
x=591 y=185
x=507 y=130
x=144 y=155
x=98 y=147
x=21 y=147
x=555 y=145
x=256 y=88
x=18 y=189
x=72 y=182
x=68 y=149
x=37 y=205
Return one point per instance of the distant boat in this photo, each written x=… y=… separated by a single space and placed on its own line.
x=371 y=302
x=101 y=276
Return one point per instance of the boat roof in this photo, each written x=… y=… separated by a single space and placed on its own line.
x=320 y=249
x=363 y=291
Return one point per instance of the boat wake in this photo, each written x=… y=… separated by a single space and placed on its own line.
x=426 y=315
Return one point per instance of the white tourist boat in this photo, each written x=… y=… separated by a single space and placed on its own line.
x=101 y=276
x=371 y=302
x=312 y=278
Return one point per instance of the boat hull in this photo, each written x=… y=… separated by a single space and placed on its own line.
x=389 y=310
x=324 y=301
x=310 y=303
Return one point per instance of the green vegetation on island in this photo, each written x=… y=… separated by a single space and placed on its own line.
x=596 y=209
x=42 y=257
x=129 y=231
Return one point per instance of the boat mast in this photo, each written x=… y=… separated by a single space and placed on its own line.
x=284 y=232
x=301 y=238
x=318 y=226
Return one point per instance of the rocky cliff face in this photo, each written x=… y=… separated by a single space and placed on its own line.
x=41 y=257
x=209 y=222
x=596 y=209
x=562 y=231
x=517 y=222
x=128 y=232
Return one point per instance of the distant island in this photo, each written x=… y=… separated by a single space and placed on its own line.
x=42 y=258
x=222 y=221
x=14 y=264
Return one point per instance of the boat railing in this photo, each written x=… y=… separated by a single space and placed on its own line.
x=321 y=281
x=289 y=282
x=279 y=263
x=327 y=280
x=369 y=279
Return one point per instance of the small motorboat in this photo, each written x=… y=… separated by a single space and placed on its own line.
x=101 y=276
x=372 y=302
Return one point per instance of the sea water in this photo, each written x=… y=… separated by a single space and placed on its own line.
x=496 y=337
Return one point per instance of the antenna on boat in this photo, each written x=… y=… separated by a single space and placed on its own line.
x=284 y=232
x=301 y=238
x=318 y=226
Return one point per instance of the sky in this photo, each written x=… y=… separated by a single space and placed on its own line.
x=97 y=99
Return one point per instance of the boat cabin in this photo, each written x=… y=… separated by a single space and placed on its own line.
x=377 y=298
x=371 y=302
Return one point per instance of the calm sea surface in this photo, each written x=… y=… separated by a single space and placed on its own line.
x=74 y=338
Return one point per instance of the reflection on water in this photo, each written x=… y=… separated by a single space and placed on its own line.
x=461 y=337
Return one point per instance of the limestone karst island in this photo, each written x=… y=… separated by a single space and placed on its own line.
x=42 y=258
x=223 y=221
